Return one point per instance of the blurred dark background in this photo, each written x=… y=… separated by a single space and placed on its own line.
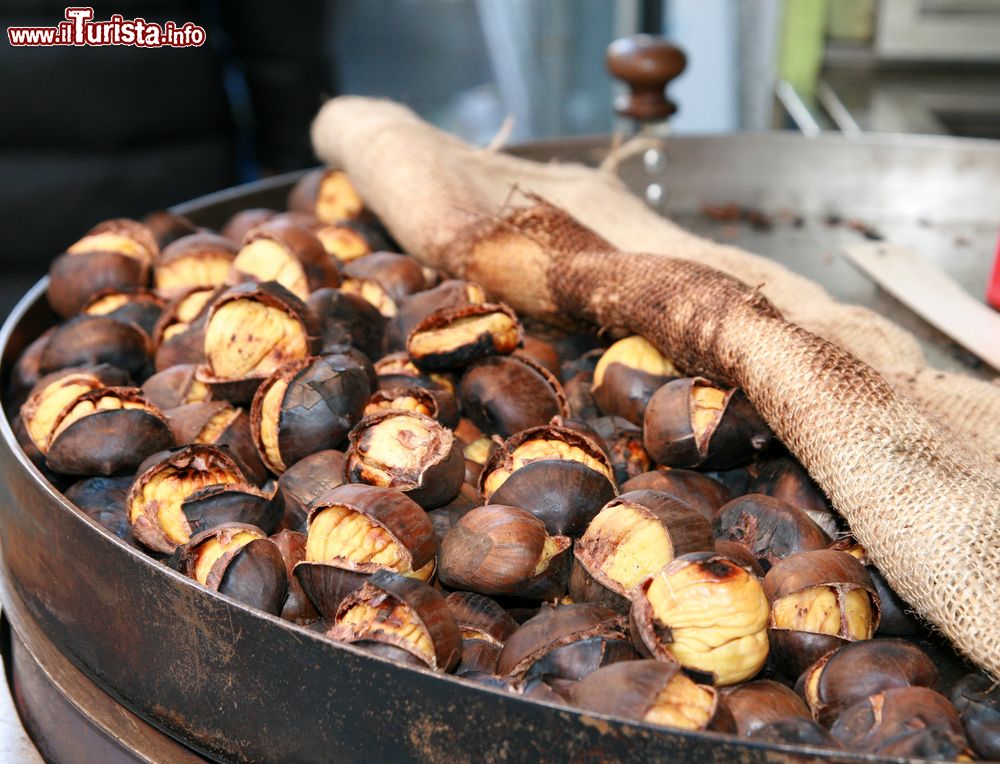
x=91 y=133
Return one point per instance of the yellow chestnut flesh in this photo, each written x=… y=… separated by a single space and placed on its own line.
x=213 y=548
x=216 y=425
x=50 y=404
x=266 y=260
x=110 y=242
x=167 y=491
x=826 y=610
x=246 y=337
x=340 y=533
x=393 y=619
x=637 y=353
x=342 y=243
x=402 y=403
x=717 y=625
x=373 y=293
x=270 y=420
x=637 y=544
x=463 y=331
x=192 y=271
x=85 y=408
x=337 y=199
x=106 y=304
x=398 y=445
x=707 y=405
x=682 y=704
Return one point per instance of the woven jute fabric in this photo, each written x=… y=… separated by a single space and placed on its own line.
x=909 y=455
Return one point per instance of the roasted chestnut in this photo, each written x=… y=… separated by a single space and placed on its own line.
x=706 y=612
x=297 y=607
x=698 y=491
x=238 y=560
x=452 y=338
x=106 y=431
x=93 y=340
x=393 y=275
x=179 y=334
x=199 y=261
x=622 y=442
x=566 y=642
x=241 y=222
x=851 y=673
x=977 y=700
x=346 y=319
x=896 y=616
x=437 y=404
x=328 y=194
x=580 y=399
x=820 y=600
x=501 y=550
x=307 y=406
x=692 y=423
x=54 y=392
x=415 y=307
x=306 y=481
x=506 y=394
x=655 y=692
x=115 y=254
x=102 y=499
x=167 y=227
x=217 y=423
x=355 y=530
x=286 y=253
x=761 y=702
x=252 y=330
x=629 y=540
x=403 y=612
x=541 y=352
x=155 y=502
x=785 y=479
x=558 y=474
x=175 y=386
x=397 y=370
x=345 y=241
x=906 y=722
x=139 y=307
x=485 y=626
x=771 y=529
x=627 y=375
x=409 y=452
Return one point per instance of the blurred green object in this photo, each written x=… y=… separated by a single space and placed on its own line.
x=852 y=20
x=803 y=33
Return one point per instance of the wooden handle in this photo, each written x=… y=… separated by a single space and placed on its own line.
x=646 y=64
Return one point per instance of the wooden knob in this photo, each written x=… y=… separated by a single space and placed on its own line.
x=646 y=64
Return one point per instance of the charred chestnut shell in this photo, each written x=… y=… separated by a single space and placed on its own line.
x=305 y=407
x=500 y=550
x=179 y=334
x=102 y=499
x=139 y=307
x=414 y=308
x=507 y=394
x=402 y=612
x=786 y=480
x=698 y=491
x=769 y=528
x=218 y=423
x=175 y=386
x=761 y=702
x=484 y=625
x=692 y=423
x=857 y=670
x=347 y=319
x=408 y=452
x=95 y=340
x=328 y=194
x=305 y=482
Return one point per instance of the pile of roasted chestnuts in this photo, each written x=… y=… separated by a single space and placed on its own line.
x=299 y=418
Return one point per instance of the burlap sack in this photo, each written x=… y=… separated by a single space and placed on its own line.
x=922 y=496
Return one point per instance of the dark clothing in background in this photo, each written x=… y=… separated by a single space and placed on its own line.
x=90 y=133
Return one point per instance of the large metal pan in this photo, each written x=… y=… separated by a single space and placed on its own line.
x=239 y=685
